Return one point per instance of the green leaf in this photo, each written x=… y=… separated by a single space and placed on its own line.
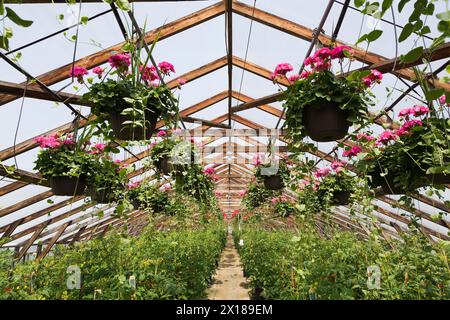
x=406 y=32
x=412 y=55
x=359 y=3
x=16 y=19
x=2 y=7
x=402 y=4
x=386 y=5
x=434 y=94
x=123 y=5
x=374 y=35
x=445 y=16
x=84 y=20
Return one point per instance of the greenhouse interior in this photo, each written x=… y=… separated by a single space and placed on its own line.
x=217 y=184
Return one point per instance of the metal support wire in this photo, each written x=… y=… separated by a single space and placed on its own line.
x=340 y=20
x=52 y=93
x=56 y=33
x=316 y=34
x=139 y=32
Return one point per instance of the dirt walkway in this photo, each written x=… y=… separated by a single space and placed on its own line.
x=229 y=282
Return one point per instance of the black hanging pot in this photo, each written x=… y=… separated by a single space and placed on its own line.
x=67 y=186
x=136 y=204
x=341 y=198
x=274 y=182
x=438 y=178
x=129 y=133
x=103 y=195
x=325 y=121
x=165 y=166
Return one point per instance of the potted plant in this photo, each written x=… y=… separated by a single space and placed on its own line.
x=255 y=196
x=107 y=179
x=322 y=104
x=283 y=206
x=136 y=99
x=169 y=153
x=410 y=157
x=196 y=181
x=334 y=184
x=144 y=195
x=64 y=162
x=274 y=174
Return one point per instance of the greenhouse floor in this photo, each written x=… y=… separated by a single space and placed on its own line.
x=229 y=281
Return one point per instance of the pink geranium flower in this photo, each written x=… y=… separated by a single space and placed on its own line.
x=257 y=160
x=294 y=78
x=364 y=137
x=322 y=172
x=442 y=100
x=242 y=193
x=133 y=184
x=336 y=165
x=120 y=60
x=161 y=133
x=166 y=67
x=305 y=74
x=282 y=69
x=339 y=52
x=97 y=148
x=78 y=72
x=98 y=71
x=352 y=152
x=166 y=187
x=385 y=137
x=209 y=171
x=407 y=126
x=322 y=53
x=51 y=141
x=148 y=73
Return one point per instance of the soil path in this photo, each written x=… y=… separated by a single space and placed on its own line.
x=229 y=282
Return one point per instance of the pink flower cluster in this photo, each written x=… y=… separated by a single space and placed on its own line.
x=385 y=137
x=97 y=148
x=364 y=137
x=98 y=71
x=120 y=61
x=257 y=160
x=209 y=171
x=166 y=187
x=54 y=141
x=121 y=163
x=352 y=152
x=407 y=126
x=415 y=111
x=281 y=70
x=78 y=72
x=338 y=166
x=166 y=67
x=148 y=73
x=322 y=172
x=442 y=100
x=133 y=184
x=279 y=199
x=374 y=76
x=161 y=133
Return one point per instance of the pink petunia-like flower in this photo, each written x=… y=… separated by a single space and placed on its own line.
x=78 y=72
x=385 y=137
x=364 y=137
x=97 y=148
x=133 y=184
x=339 y=52
x=294 y=78
x=282 y=69
x=442 y=100
x=366 y=81
x=322 y=65
x=376 y=76
x=420 y=110
x=209 y=171
x=166 y=187
x=148 y=73
x=161 y=133
x=336 y=165
x=305 y=74
x=309 y=61
x=352 y=152
x=407 y=126
x=322 y=53
x=51 y=141
x=98 y=71
x=166 y=67
x=322 y=172
x=120 y=60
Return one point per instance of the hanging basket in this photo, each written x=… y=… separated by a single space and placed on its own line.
x=165 y=166
x=67 y=186
x=341 y=198
x=103 y=195
x=438 y=178
x=325 y=122
x=274 y=182
x=124 y=132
